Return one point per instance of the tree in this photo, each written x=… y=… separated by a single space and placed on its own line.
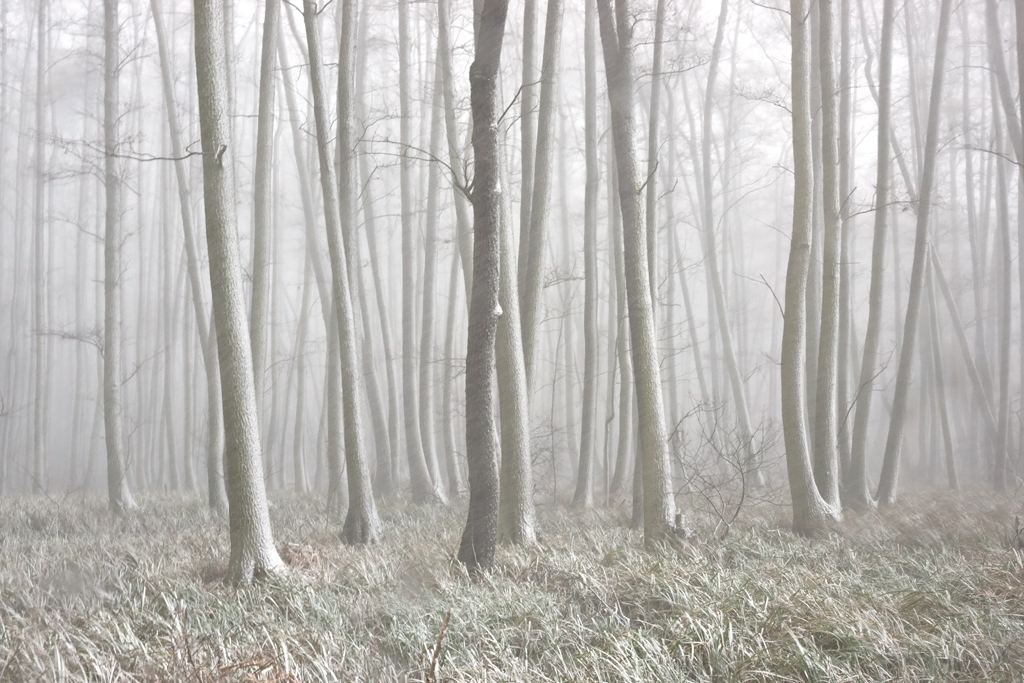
x=252 y=545
x=659 y=505
x=216 y=496
x=425 y=482
x=516 y=515
x=894 y=441
x=810 y=511
x=540 y=187
x=584 y=495
x=857 y=483
x=40 y=345
x=119 y=497
x=362 y=524
x=262 y=196
x=480 y=535
x=826 y=428
x=751 y=467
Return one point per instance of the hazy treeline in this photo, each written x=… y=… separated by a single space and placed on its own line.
x=723 y=174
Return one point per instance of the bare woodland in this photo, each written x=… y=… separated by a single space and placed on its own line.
x=672 y=261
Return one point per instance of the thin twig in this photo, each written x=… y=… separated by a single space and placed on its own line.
x=431 y=676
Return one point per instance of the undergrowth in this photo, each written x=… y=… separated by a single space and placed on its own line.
x=933 y=590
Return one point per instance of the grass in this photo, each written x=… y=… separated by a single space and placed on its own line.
x=933 y=590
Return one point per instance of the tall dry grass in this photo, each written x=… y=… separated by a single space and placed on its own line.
x=931 y=591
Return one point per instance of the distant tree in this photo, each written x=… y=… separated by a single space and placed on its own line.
x=262 y=196
x=120 y=498
x=751 y=467
x=584 y=494
x=826 y=427
x=40 y=345
x=894 y=441
x=480 y=535
x=530 y=281
x=216 y=495
x=252 y=544
x=425 y=485
x=857 y=489
x=362 y=524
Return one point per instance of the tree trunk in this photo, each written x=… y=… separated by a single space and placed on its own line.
x=40 y=344
x=215 y=433
x=516 y=514
x=424 y=488
x=940 y=386
x=252 y=545
x=426 y=360
x=262 y=198
x=810 y=511
x=659 y=504
x=480 y=536
x=299 y=440
x=653 y=145
x=584 y=494
x=455 y=481
x=751 y=468
x=464 y=231
x=528 y=137
x=540 y=189
x=362 y=525
x=826 y=428
x=119 y=497
x=894 y=441
x=858 y=490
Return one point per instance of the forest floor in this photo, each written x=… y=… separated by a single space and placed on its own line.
x=932 y=590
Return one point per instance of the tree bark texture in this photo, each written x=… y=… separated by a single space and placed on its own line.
x=480 y=535
x=252 y=545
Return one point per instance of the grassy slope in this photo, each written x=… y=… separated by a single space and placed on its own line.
x=932 y=591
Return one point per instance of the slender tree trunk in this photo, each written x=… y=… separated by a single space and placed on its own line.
x=369 y=218
x=263 y=197
x=455 y=481
x=299 y=439
x=480 y=536
x=528 y=137
x=516 y=514
x=659 y=503
x=540 y=186
x=383 y=484
x=40 y=343
x=362 y=525
x=426 y=360
x=215 y=433
x=424 y=488
x=1005 y=297
x=810 y=511
x=252 y=545
x=584 y=494
x=846 y=171
x=119 y=497
x=826 y=427
x=894 y=441
x=653 y=146
x=1019 y=25
x=621 y=317
x=464 y=231
x=940 y=386
x=752 y=468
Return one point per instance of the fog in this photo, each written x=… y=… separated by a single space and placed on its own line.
x=52 y=213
